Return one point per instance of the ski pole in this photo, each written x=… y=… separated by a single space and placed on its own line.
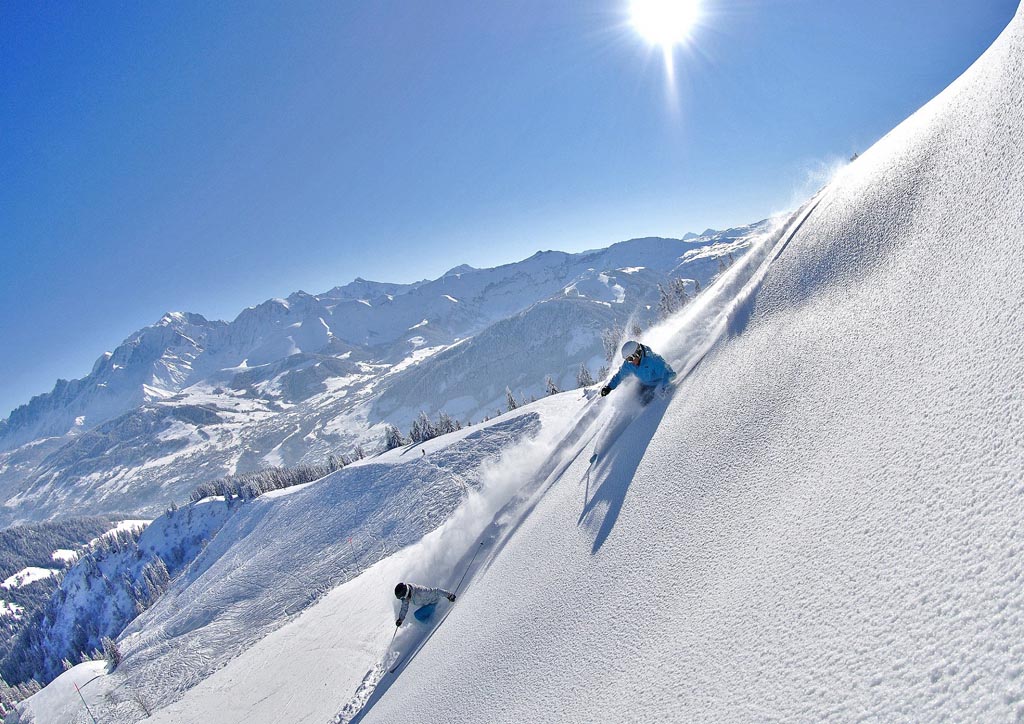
x=84 y=702
x=471 y=560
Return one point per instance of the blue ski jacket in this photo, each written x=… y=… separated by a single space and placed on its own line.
x=652 y=371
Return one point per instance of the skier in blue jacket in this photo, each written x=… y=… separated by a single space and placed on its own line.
x=647 y=366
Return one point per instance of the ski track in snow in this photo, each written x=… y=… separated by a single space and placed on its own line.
x=366 y=688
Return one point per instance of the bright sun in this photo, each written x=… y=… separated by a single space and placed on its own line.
x=665 y=22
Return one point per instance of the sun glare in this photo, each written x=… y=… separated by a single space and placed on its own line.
x=665 y=22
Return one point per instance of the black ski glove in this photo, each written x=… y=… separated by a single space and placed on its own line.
x=451 y=597
x=605 y=390
x=398 y=622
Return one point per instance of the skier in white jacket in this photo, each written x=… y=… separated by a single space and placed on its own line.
x=419 y=596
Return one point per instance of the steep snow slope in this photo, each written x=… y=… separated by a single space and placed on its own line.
x=827 y=521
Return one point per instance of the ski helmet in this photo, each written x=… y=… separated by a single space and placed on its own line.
x=401 y=590
x=630 y=348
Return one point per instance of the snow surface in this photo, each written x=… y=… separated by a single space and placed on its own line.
x=65 y=555
x=26 y=576
x=60 y=702
x=125 y=525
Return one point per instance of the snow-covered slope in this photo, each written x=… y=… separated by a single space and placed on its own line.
x=827 y=520
x=273 y=558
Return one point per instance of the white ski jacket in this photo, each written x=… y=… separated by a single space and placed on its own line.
x=421 y=596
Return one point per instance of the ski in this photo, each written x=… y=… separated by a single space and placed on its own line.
x=411 y=654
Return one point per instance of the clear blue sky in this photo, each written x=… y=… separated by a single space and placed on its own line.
x=206 y=156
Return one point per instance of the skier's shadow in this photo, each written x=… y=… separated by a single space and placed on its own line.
x=615 y=468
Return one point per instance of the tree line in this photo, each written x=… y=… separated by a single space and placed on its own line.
x=37 y=654
x=248 y=486
x=33 y=545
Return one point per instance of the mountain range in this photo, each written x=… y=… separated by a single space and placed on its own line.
x=291 y=381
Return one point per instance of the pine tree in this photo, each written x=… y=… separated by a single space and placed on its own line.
x=667 y=304
x=422 y=429
x=510 y=400
x=552 y=388
x=696 y=286
x=428 y=427
x=679 y=290
x=156 y=578
x=583 y=378
x=445 y=423
x=392 y=438
x=610 y=340
x=111 y=652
